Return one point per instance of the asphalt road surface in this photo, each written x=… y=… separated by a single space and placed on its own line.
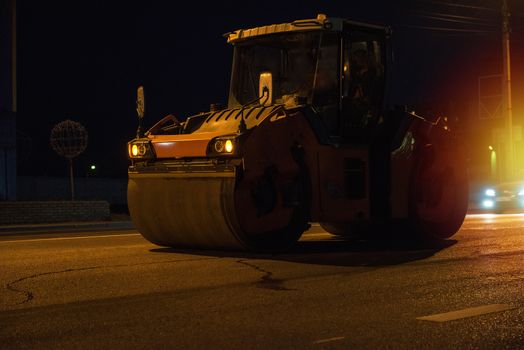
x=114 y=290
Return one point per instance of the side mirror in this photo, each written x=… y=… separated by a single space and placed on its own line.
x=265 y=88
x=140 y=109
x=140 y=102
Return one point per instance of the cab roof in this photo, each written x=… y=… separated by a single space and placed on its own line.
x=321 y=22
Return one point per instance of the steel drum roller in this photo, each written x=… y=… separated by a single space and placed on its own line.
x=186 y=210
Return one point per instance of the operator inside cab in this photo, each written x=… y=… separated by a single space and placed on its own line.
x=348 y=95
x=362 y=89
x=339 y=74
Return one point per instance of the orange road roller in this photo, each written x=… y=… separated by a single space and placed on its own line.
x=307 y=137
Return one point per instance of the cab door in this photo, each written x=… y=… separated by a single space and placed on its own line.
x=354 y=171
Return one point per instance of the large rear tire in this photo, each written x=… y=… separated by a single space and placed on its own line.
x=355 y=230
x=283 y=239
x=279 y=240
x=438 y=199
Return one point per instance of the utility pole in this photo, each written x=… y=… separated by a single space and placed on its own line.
x=506 y=92
x=7 y=100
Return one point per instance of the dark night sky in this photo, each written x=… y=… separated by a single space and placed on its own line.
x=82 y=60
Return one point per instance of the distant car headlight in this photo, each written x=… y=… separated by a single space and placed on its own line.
x=490 y=192
x=223 y=146
x=488 y=203
x=140 y=149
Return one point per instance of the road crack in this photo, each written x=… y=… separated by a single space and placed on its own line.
x=10 y=286
x=267 y=281
x=28 y=294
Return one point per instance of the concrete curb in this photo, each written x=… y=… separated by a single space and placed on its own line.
x=62 y=226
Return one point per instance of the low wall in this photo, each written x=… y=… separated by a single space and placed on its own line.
x=28 y=212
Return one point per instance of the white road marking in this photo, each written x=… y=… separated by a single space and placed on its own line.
x=68 y=238
x=328 y=340
x=484 y=228
x=469 y=312
x=491 y=215
x=116 y=235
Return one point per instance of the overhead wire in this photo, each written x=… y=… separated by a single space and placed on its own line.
x=452 y=4
x=465 y=24
x=454 y=17
x=444 y=19
x=442 y=29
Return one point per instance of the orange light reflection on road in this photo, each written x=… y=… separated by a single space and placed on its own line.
x=490 y=218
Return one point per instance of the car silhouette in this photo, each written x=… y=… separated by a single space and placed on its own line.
x=503 y=197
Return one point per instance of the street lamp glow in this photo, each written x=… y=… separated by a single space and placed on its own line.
x=493 y=163
x=93 y=167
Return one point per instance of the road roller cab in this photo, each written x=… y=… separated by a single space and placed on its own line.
x=306 y=136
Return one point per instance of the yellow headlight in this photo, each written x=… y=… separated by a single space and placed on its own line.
x=134 y=150
x=229 y=146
